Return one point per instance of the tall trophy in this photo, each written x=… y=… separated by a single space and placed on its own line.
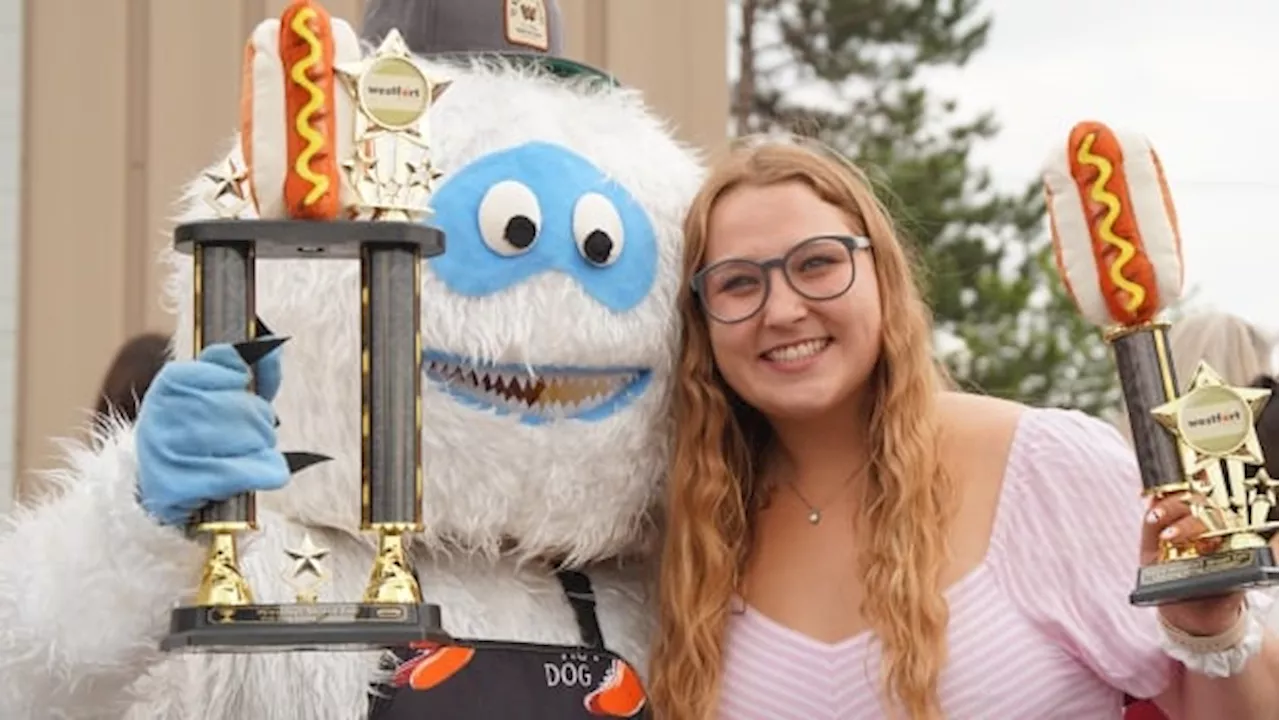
x=336 y=166
x=1116 y=243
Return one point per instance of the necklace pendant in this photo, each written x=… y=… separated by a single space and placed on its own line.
x=815 y=517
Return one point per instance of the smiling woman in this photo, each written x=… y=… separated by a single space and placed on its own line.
x=836 y=514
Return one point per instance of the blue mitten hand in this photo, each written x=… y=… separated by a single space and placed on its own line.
x=202 y=436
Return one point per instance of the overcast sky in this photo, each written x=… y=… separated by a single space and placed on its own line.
x=1201 y=79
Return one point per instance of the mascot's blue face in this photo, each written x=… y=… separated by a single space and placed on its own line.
x=535 y=209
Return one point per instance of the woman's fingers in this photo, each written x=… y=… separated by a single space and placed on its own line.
x=1171 y=520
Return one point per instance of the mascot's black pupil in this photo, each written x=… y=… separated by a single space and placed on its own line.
x=520 y=231
x=598 y=246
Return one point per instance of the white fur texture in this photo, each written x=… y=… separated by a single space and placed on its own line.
x=581 y=489
x=85 y=587
x=86 y=581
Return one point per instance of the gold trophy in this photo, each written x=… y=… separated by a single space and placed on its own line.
x=343 y=173
x=1116 y=242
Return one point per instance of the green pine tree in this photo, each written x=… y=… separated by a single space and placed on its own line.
x=986 y=254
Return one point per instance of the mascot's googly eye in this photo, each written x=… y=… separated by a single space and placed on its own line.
x=510 y=218
x=597 y=229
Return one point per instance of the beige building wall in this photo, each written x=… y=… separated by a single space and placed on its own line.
x=10 y=203
x=123 y=100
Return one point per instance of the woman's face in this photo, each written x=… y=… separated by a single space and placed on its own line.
x=795 y=358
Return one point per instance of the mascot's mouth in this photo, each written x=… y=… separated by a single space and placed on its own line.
x=538 y=393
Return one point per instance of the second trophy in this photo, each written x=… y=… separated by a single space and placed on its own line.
x=1118 y=250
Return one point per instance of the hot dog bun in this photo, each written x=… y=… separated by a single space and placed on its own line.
x=296 y=123
x=262 y=137
x=1115 y=232
x=346 y=51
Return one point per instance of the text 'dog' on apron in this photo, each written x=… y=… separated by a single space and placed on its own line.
x=483 y=679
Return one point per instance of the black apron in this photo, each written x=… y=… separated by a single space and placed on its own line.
x=482 y=679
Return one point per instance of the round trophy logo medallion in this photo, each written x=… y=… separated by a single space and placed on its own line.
x=394 y=93
x=1214 y=421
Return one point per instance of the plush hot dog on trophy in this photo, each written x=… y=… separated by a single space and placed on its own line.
x=338 y=166
x=1117 y=247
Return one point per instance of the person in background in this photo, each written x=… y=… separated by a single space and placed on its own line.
x=846 y=536
x=1238 y=350
x=129 y=375
x=126 y=381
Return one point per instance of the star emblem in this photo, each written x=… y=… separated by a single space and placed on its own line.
x=1261 y=488
x=393 y=45
x=228 y=182
x=1215 y=421
x=362 y=169
x=393 y=58
x=307 y=558
x=421 y=174
x=438 y=86
x=363 y=177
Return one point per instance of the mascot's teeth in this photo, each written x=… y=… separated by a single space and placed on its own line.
x=552 y=395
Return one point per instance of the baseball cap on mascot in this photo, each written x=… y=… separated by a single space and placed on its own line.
x=521 y=31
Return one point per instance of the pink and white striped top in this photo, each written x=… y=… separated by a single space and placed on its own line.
x=1042 y=628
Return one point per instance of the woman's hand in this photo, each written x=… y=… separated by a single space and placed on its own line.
x=1250 y=691
x=1170 y=520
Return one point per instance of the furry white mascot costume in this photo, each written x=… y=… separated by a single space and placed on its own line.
x=549 y=335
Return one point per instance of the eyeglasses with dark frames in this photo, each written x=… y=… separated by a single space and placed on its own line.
x=818 y=268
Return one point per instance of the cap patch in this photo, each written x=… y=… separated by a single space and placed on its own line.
x=526 y=24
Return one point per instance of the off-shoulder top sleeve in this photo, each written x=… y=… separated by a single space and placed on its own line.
x=1065 y=547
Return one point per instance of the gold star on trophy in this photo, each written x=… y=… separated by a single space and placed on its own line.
x=421 y=174
x=306 y=562
x=228 y=182
x=1260 y=497
x=392 y=94
x=390 y=88
x=1214 y=421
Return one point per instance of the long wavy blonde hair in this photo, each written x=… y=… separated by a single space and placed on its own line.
x=714 y=485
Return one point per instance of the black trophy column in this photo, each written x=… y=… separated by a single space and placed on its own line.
x=224 y=313
x=391 y=358
x=1146 y=371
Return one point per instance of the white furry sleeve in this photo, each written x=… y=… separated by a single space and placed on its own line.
x=86 y=584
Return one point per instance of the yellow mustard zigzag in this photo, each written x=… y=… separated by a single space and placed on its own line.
x=302 y=123
x=1098 y=193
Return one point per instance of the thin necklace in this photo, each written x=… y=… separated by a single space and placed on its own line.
x=815 y=513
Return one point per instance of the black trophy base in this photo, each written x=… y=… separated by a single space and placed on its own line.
x=1205 y=577
x=301 y=627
